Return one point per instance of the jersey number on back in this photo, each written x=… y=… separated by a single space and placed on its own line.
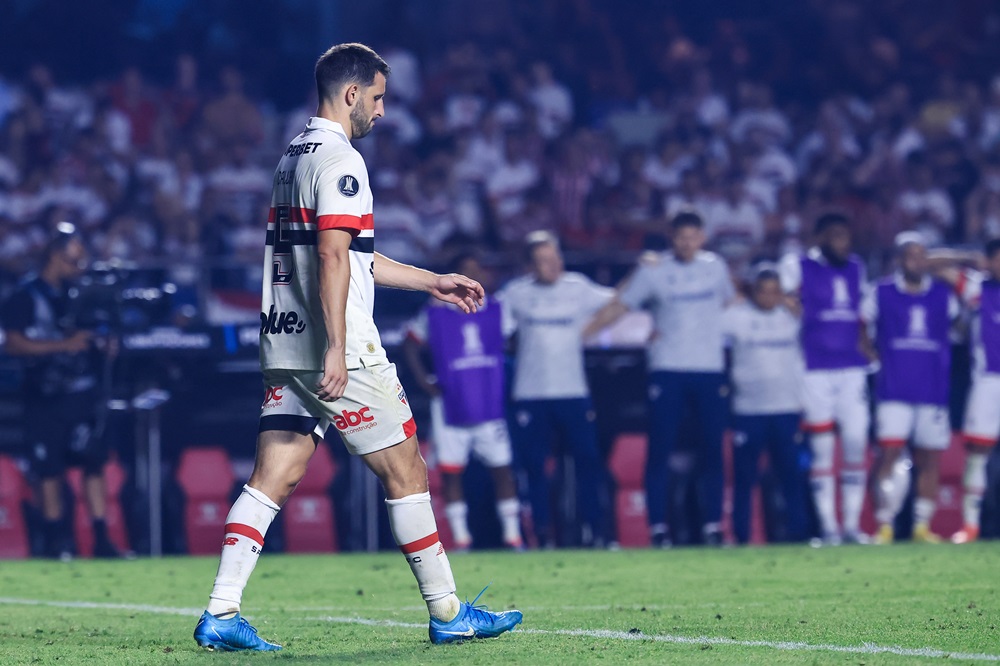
x=282 y=267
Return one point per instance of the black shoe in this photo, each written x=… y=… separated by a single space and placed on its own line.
x=713 y=539
x=103 y=548
x=660 y=540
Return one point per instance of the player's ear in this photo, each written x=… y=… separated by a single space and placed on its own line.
x=351 y=94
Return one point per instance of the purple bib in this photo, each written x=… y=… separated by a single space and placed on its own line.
x=468 y=359
x=989 y=324
x=913 y=344
x=831 y=297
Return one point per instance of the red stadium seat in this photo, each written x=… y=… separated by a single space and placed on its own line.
x=206 y=477
x=948 y=518
x=114 y=477
x=308 y=513
x=628 y=466
x=13 y=531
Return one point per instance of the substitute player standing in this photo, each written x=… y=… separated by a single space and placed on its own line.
x=324 y=367
x=548 y=309
x=468 y=402
x=829 y=280
x=766 y=374
x=687 y=291
x=912 y=315
x=980 y=291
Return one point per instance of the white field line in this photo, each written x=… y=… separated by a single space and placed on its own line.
x=865 y=648
x=527 y=609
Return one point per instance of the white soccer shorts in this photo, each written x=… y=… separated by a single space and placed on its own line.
x=899 y=422
x=489 y=441
x=373 y=414
x=982 y=412
x=835 y=397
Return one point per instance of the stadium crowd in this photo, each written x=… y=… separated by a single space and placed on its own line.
x=599 y=129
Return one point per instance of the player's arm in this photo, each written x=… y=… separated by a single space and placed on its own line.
x=632 y=291
x=18 y=344
x=334 y=281
x=947 y=264
x=453 y=288
x=868 y=316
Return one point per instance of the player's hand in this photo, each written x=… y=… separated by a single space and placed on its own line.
x=334 y=380
x=77 y=342
x=464 y=292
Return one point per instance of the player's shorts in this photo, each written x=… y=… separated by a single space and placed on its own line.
x=899 y=422
x=373 y=414
x=489 y=441
x=61 y=431
x=835 y=397
x=982 y=412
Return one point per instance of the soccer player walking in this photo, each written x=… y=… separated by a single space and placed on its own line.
x=687 y=291
x=766 y=376
x=828 y=281
x=911 y=314
x=324 y=367
x=548 y=310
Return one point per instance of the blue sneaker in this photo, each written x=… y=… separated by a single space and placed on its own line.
x=230 y=635
x=474 y=622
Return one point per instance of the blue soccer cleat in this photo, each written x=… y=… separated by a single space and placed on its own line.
x=232 y=635
x=474 y=622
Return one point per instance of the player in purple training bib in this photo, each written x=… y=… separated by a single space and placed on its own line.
x=467 y=403
x=828 y=281
x=911 y=315
x=979 y=291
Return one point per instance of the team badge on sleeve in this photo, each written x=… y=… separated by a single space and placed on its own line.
x=348 y=186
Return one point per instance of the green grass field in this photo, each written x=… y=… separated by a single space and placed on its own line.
x=847 y=605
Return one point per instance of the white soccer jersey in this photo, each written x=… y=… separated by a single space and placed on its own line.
x=767 y=363
x=549 y=320
x=321 y=183
x=687 y=302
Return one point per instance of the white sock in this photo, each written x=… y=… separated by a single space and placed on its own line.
x=415 y=530
x=853 y=473
x=923 y=511
x=887 y=508
x=509 y=512
x=852 y=497
x=821 y=481
x=458 y=519
x=974 y=481
x=246 y=525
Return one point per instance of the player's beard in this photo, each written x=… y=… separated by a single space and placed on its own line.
x=361 y=122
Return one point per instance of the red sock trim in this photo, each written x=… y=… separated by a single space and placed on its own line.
x=245 y=530
x=410 y=428
x=818 y=428
x=892 y=443
x=419 y=544
x=451 y=469
x=979 y=440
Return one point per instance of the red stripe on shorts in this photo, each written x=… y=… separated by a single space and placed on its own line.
x=245 y=530
x=410 y=428
x=419 y=544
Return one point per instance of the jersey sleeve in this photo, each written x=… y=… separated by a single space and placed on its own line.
x=869 y=305
x=730 y=325
x=790 y=273
x=416 y=328
x=595 y=296
x=726 y=283
x=969 y=287
x=341 y=184
x=637 y=290
x=508 y=318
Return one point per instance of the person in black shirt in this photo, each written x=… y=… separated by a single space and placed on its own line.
x=60 y=391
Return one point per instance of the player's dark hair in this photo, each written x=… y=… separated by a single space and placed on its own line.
x=65 y=234
x=463 y=255
x=833 y=219
x=992 y=247
x=765 y=271
x=347 y=63
x=687 y=218
x=536 y=239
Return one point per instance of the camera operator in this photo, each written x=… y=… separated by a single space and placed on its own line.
x=61 y=390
